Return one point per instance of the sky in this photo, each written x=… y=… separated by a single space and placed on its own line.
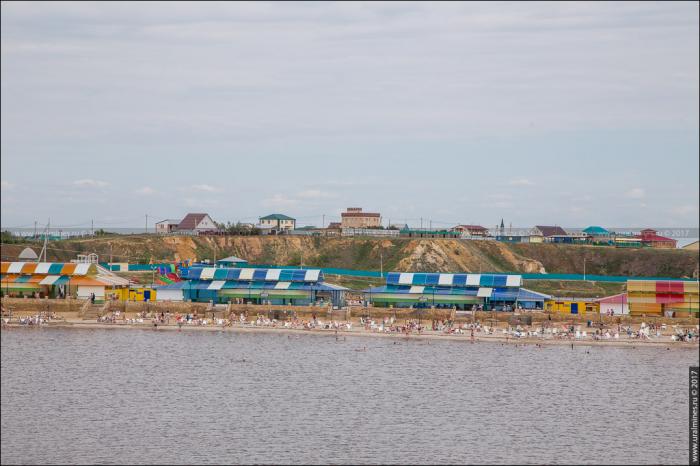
x=572 y=114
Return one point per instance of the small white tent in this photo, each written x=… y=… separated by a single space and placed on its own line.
x=27 y=255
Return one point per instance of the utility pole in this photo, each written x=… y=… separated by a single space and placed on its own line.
x=92 y=227
x=46 y=237
x=421 y=223
x=34 y=229
x=323 y=222
x=110 y=252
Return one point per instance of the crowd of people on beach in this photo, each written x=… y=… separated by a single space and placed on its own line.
x=686 y=335
x=32 y=320
x=296 y=323
x=390 y=325
x=37 y=319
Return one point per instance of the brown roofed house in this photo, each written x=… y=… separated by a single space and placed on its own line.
x=548 y=231
x=196 y=223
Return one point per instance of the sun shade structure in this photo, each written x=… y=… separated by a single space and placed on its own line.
x=492 y=291
x=277 y=286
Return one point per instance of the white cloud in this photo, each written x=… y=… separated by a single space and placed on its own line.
x=279 y=200
x=89 y=182
x=392 y=70
x=635 y=193
x=6 y=185
x=502 y=196
x=205 y=187
x=191 y=202
x=501 y=204
x=521 y=182
x=146 y=191
x=684 y=209
x=315 y=194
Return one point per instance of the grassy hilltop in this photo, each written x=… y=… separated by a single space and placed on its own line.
x=404 y=254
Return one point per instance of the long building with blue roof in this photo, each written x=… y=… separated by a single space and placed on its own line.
x=447 y=290
x=257 y=286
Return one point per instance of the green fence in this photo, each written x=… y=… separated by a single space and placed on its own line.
x=376 y=274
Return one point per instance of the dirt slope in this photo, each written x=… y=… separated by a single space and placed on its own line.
x=440 y=255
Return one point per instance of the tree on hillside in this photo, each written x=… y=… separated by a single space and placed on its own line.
x=237 y=229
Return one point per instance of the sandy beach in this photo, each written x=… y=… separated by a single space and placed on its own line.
x=480 y=337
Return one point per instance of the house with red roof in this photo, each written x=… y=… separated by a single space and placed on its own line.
x=650 y=238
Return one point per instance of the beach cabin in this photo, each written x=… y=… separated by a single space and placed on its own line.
x=58 y=280
x=172 y=292
x=615 y=304
x=671 y=298
x=580 y=306
x=295 y=287
x=460 y=291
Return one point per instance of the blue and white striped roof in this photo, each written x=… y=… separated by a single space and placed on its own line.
x=268 y=275
x=453 y=279
x=495 y=294
x=216 y=285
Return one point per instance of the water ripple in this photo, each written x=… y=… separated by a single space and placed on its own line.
x=105 y=396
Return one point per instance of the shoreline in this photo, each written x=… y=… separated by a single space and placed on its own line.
x=86 y=325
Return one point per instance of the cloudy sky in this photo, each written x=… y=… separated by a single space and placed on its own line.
x=539 y=113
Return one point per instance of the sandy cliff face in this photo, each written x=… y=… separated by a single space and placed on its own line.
x=440 y=255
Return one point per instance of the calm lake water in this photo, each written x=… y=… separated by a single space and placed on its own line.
x=139 y=396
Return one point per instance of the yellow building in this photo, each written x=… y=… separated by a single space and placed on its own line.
x=571 y=306
x=673 y=298
x=132 y=294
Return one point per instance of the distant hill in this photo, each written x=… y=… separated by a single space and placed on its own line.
x=438 y=255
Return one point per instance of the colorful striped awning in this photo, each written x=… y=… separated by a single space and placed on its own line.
x=47 y=268
x=267 y=275
x=453 y=279
x=53 y=280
